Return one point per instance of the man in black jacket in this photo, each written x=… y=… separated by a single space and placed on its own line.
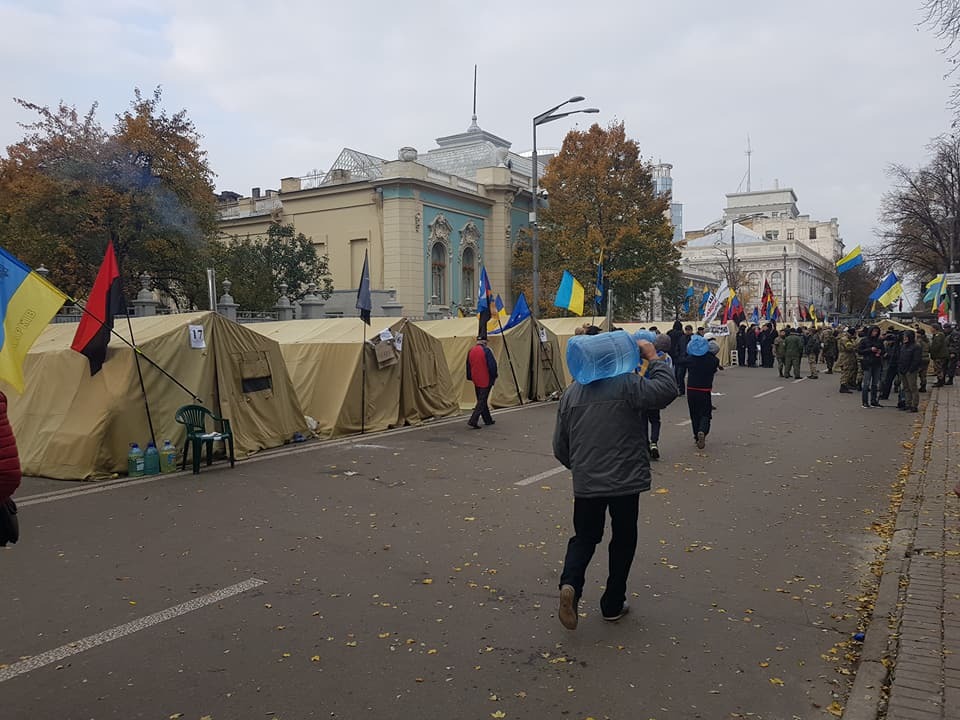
x=601 y=436
x=908 y=364
x=870 y=351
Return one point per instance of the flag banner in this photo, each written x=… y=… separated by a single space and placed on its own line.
x=850 y=260
x=887 y=284
x=894 y=292
x=364 y=303
x=521 y=311
x=704 y=299
x=598 y=288
x=569 y=294
x=484 y=295
x=27 y=304
x=755 y=317
x=713 y=304
x=105 y=303
x=500 y=318
x=687 y=296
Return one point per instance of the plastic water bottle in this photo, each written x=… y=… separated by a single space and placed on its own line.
x=135 y=461
x=168 y=457
x=594 y=357
x=151 y=464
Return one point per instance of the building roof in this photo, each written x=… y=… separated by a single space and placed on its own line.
x=721 y=237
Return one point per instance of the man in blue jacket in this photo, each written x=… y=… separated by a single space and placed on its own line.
x=601 y=435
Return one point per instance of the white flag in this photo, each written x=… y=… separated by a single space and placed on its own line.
x=710 y=312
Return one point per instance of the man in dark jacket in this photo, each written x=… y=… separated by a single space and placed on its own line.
x=908 y=365
x=602 y=437
x=870 y=351
x=939 y=353
x=892 y=341
x=953 y=353
x=482 y=370
x=702 y=365
x=680 y=371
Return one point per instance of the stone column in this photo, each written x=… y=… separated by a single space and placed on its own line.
x=311 y=306
x=226 y=306
x=283 y=307
x=145 y=305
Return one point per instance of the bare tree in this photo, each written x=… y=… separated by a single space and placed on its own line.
x=921 y=214
x=943 y=16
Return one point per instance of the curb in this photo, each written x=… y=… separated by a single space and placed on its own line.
x=880 y=641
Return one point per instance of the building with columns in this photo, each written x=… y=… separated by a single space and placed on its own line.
x=763 y=237
x=429 y=221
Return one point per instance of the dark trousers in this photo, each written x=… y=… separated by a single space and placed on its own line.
x=680 y=373
x=481 y=408
x=653 y=417
x=589 y=516
x=871 y=379
x=922 y=375
x=951 y=367
x=701 y=411
x=889 y=375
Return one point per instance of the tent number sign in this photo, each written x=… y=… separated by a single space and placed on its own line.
x=196 y=337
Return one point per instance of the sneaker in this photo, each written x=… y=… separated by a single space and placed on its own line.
x=568 y=607
x=623 y=611
x=865 y=406
x=654 y=451
x=701 y=440
x=875 y=404
x=845 y=389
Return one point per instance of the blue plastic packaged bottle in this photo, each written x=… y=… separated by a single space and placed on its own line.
x=151 y=460
x=135 y=461
x=594 y=357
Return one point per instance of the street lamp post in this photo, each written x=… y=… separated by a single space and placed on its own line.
x=542 y=119
x=783 y=291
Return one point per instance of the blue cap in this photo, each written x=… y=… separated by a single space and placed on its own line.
x=698 y=346
x=647 y=335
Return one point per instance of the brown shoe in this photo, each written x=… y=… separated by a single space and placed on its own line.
x=568 y=607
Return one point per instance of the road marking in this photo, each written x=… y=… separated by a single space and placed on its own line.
x=370 y=446
x=88 y=643
x=685 y=422
x=541 y=476
x=119 y=483
x=768 y=392
x=798 y=380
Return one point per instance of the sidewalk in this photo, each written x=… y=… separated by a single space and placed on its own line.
x=912 y=645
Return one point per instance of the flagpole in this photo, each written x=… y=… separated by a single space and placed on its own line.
x=143 y=388
x=363 y=382
x=506 y=347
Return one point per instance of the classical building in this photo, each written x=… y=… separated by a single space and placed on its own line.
x=429 y=221
x=763 y=237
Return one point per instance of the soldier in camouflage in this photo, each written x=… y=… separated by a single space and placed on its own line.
x=829 y=349
x=924 y=342
x=849 y=362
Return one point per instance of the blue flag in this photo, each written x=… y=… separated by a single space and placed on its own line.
x=521 y=311
x=598 y=292
x=686 y=298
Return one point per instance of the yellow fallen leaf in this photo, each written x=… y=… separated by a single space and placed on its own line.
x=352 y=643
x=176 y=716
x=660 y=491
x=498 y=714
x=427 y=581
x=776 y=681
x=469 y=519
x=132 y=602
x=835 y=709
x=432 y=651
x=383 y=635
x=286 y=654
x=764 y=664
x=315 y=658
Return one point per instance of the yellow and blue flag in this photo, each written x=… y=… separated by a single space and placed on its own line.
x=500 y=318
x=27 y=304
x=935 y=289
x=888 y=290
x=850 y=260
x=569 y=294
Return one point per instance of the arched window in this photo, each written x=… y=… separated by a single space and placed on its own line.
x=776 y=284
x=438 y=273
x=468 y=275
x=753 y=284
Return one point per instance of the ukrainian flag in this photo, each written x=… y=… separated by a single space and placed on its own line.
x=894 y=291
x=850 y=260
x=500 y=318
x=27 y=304
x=569 y=294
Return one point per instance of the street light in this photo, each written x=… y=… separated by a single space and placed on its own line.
x=542 y=119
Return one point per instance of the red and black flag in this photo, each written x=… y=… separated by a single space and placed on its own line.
x=105 y=301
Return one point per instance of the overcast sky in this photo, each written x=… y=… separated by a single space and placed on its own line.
x=830 y=93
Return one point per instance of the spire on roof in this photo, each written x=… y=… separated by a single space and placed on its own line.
x=473 y=122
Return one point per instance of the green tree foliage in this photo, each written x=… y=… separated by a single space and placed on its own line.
x=258 y=265
x=601 y=198
x=70 y=186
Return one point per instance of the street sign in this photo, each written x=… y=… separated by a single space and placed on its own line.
x=952 y=278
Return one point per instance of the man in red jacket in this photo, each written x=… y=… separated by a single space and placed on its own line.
x=482 y=370
x=9 y=472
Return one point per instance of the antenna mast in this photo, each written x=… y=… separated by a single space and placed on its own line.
x=748 y=154
x=473 y=122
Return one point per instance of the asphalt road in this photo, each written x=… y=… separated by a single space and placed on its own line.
x=413 y=574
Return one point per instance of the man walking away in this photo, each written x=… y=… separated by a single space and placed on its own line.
x=601 y=436
x=811 y=348
x=924 y=342
x=847 y=346
x=778 y=350
x=680 y=370
x=792 y=352
x=908 y=364
x=702 y=365
x=482 y=370
x=870 y=351
x=652 y=416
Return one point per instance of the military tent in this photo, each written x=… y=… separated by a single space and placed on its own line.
x=74 y=426
x=458 y=335
x=407 y=380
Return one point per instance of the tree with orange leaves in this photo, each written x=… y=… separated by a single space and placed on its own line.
x=601 y=197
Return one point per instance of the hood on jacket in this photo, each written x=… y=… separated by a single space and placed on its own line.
x=677 y=325
x=870 y=332
x=910 y=335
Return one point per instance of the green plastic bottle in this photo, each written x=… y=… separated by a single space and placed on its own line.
x=135 y=461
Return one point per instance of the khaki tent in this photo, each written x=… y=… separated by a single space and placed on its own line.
x=72 y=426
x=325 y=362
x=458 y=335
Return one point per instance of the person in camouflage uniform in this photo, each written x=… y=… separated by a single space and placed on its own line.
x=792 y=352
x=811 y=348
x=939 y=355
x=849 y=363
x=829 y=349
x=778 y=349
x=924 y=342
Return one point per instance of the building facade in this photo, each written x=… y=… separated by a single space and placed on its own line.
x=429 y=222
x=662 y=185
x=763 y=238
